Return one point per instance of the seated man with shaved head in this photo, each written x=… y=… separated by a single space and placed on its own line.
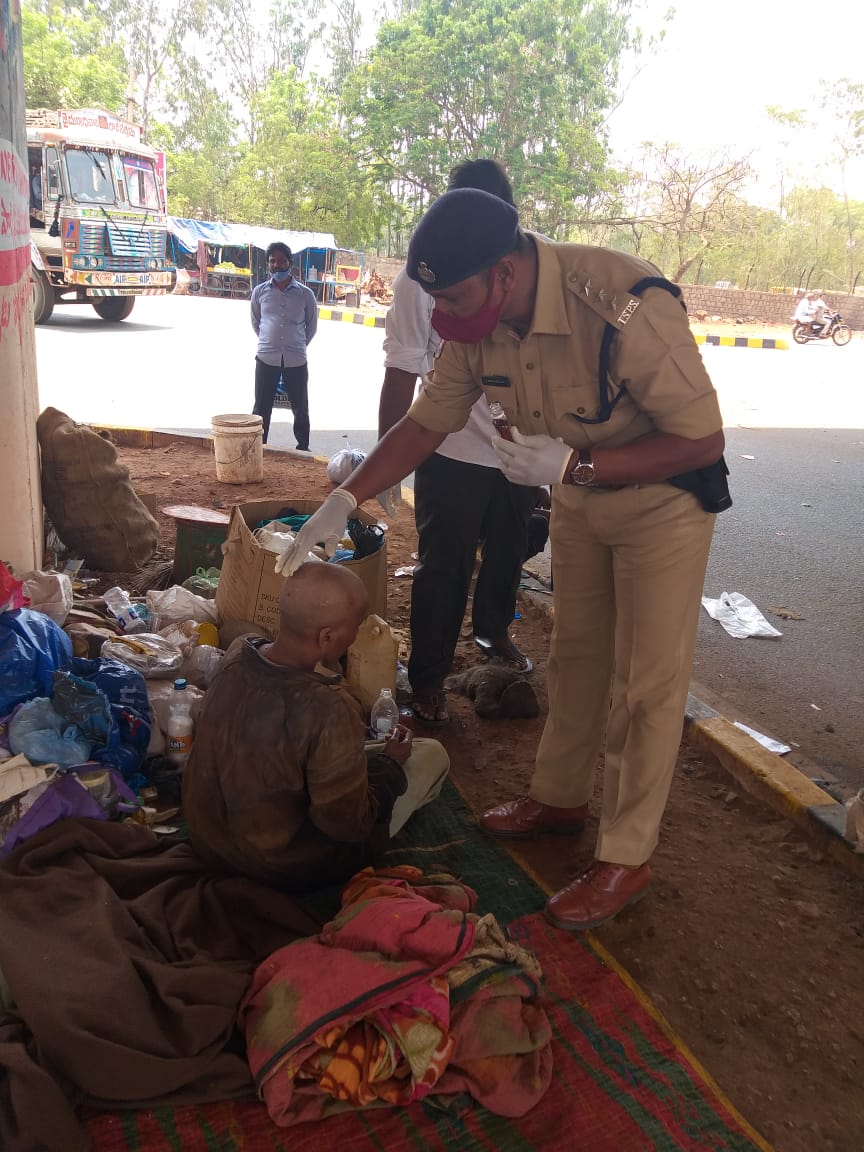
x=281 y=785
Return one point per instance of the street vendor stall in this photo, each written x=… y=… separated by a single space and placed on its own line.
x=224 y=259
x=333 y=274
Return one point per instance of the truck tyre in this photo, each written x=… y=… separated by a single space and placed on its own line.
x=114 y=307
x=43 y=296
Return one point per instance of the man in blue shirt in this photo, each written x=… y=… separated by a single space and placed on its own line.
x=285 y=318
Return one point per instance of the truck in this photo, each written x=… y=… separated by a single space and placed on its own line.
x=97 y=213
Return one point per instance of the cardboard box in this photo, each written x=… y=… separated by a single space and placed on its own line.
x=249 y=587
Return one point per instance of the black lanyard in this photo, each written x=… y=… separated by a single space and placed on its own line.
x=607 y=406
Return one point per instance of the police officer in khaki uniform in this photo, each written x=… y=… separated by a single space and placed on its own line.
x=590 y=355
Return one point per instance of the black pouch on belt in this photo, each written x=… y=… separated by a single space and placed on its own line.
x=708 y=485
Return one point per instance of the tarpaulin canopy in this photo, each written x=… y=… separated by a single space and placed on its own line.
x=189 y=232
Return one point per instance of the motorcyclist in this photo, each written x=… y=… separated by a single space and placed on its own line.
x=813 y=310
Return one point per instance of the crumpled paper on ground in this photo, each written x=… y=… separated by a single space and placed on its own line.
x=738 y=615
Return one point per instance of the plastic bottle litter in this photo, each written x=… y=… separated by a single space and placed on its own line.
x=121 y=608
x=178 y=734
x=385 y=714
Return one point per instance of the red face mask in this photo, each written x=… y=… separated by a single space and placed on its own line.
x=474 y=328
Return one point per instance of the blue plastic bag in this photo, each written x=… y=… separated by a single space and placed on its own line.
x=126 y=692
x=44 y=737
x=32 y=646
x=80 y=702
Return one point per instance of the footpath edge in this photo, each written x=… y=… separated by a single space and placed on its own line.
x=773 y=780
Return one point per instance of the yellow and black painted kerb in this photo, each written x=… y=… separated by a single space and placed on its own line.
x=742 y=341
x=770 y=778
x=350 y=316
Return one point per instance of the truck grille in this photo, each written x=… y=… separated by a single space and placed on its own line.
x=128 y=245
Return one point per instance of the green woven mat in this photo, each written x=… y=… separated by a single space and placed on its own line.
x=444 y=837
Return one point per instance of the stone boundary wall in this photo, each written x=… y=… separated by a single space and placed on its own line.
x=727 y=303
x=769 y=307
x=384 y=265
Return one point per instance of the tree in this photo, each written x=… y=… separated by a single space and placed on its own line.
x=343 y=41
x=527 y=82
x=844 y=102
x=301 y=171
x=689 y=203
x=201 y=158
x=250 y=55
x=70 y=60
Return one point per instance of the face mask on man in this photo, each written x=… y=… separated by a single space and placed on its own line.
x=280 y=275
x=476 y=327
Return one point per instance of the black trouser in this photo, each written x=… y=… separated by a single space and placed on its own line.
x=295 y=381
x=456 y=506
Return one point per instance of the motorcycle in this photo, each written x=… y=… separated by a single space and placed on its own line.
x=833 y=327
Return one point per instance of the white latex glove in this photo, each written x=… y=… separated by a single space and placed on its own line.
x=390 y=499
x=326 y=526
x=532 y=460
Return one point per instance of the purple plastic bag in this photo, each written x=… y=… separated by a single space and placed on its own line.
x=66 y=798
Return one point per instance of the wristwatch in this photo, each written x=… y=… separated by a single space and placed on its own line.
x=583 y=471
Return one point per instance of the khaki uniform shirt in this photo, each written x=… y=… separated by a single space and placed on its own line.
x=549 y=378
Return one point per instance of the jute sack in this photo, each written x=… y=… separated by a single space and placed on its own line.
x=90 y=498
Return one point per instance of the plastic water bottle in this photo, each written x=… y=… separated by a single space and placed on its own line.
x=385 y=714
x=178 y=733
x=120 y=606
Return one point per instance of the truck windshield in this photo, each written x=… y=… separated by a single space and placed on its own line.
x=90 y=176
x=141 y=182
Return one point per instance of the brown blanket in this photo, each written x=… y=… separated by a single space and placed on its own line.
x=126 y=960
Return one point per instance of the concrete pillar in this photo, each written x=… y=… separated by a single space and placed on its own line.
x=20 y=497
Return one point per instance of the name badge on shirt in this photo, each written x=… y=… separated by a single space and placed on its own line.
x=495 y=381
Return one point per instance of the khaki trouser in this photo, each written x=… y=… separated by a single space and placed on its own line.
x=425 y=769
x=628 y=569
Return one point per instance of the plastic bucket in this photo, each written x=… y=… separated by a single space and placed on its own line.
x=238 y=442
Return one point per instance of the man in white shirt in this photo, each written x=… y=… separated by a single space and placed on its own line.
x=812 y=310
x=461 y=498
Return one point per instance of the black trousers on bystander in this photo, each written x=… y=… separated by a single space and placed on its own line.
x=458 y=506
x=295 y=381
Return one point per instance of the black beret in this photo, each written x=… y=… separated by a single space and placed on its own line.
x=464 y=232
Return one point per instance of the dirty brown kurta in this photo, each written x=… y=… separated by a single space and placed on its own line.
x=277 y=785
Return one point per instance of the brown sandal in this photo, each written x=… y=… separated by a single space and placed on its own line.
x=430 y=708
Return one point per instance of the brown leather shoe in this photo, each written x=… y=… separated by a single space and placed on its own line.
x=526 y=817
x=597 y=895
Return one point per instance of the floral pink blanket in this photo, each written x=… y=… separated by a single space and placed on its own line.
x=406 y=992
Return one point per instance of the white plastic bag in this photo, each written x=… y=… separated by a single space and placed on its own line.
x=202 y=664
x=738 y=615
x=183 y=635
x=51 y=593
x=148 y=653
x=273 y=539
x=342 y=463
x=177 y=604
x=855 y=821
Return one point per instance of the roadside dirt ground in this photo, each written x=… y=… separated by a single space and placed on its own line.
x=751 y=945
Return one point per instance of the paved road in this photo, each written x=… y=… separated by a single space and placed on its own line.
x=793 y=539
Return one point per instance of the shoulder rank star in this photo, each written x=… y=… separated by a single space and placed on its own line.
x=425 y=273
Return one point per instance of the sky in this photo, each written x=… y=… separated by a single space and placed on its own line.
x=721 y=64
